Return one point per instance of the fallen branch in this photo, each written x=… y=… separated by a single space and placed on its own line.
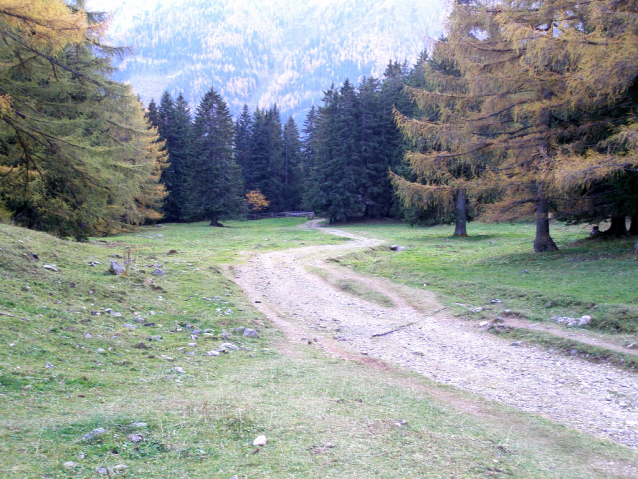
x=13 y=316
x=408 y=324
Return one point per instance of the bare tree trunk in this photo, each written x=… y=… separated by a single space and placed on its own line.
x=617 y=228
x=543 y=241
x=460 y=214
x=214 y=221
x=633 y=228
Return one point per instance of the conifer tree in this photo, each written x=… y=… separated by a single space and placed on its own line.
x=215 y=186
x=292 y=171
x=76 y=157
x=532 y=100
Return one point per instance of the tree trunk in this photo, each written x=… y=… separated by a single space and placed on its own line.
x=633 y=228
x=214 y=221
x=543 y=241
x=617 y=228
x=460 y=214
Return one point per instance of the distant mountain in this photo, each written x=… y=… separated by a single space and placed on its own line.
x=263 y=52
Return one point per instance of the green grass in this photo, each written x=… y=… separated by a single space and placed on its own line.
x=597 y=278
x=324 y=418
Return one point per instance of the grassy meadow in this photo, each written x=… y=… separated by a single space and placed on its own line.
x=585 y=277
x=81 y=349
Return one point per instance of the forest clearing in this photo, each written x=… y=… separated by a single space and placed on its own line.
x=150 y=359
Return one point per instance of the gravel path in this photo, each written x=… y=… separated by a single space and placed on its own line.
x=597 y=398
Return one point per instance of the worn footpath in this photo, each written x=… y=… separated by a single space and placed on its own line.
x=597 y=398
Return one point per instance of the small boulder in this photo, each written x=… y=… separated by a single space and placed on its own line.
x=260 y=441
x=95 y=433
x=135 y=438
x=239 y=330
x=250 y=333
x=584 y=321
x=179 y=370
x=50 y=267
x=212 y=353
x=116 y=268
x=69 y=465
x=159 y=272
x=229 y=346
x=397 y=248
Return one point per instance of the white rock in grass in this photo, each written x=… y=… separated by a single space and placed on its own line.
x=69 y=465
x=51 y=267
x=260 y=441
x=179 y=370
x=584 y=320
x=212 y=353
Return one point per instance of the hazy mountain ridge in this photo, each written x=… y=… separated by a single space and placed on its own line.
x=281 y=52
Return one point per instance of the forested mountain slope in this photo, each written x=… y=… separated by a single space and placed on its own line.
x=261 y=53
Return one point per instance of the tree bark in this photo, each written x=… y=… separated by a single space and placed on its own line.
x=633 y=228
x=543 y=241
x=460 y=214
x=617 y=228
x=214 y=221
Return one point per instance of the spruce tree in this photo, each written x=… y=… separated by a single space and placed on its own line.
x=292 y=171
x=215 y=186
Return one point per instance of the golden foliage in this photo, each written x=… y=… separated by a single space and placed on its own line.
x=256 y=200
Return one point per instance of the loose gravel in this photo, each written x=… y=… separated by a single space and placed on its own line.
x=597 y=398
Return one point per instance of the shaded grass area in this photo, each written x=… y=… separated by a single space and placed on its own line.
x=596 y=278
x=73 y=358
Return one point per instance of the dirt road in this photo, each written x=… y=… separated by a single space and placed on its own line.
x=597 y=398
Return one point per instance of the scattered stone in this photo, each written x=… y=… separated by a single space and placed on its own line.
x=260 y=441
x=484 y=323
x=179 y=370
x=224 y=334
x=525 y=271
x=102 y=471
x=69 y=465
x=192 y=345
x=119 y=467
x=26 y=288
x=100 y=351
x=517 y=343
x=196 y=331
x=496 y=301
x=194 y=337
x=154 y=338
x=140 y=320
x=95 y=433
x=139 y=424
x=250 y=333
x=584 y=321
x=397 y=248
x=574 y=352
x=212 y=353
x=116 y=268
x=148 y=325
x=476 y=310
x=88 y=335
x=239 y=330
x=49 y=365
x=229 y=346
x=158 y=272
x=257 y=301
x=135 y=438
x=130 y=326
x=50 y=267
x=142 y=346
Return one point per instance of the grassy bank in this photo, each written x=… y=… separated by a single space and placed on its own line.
x=595 y=278
x=82 y=350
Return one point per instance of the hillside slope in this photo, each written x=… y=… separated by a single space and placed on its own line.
x=262 y=53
